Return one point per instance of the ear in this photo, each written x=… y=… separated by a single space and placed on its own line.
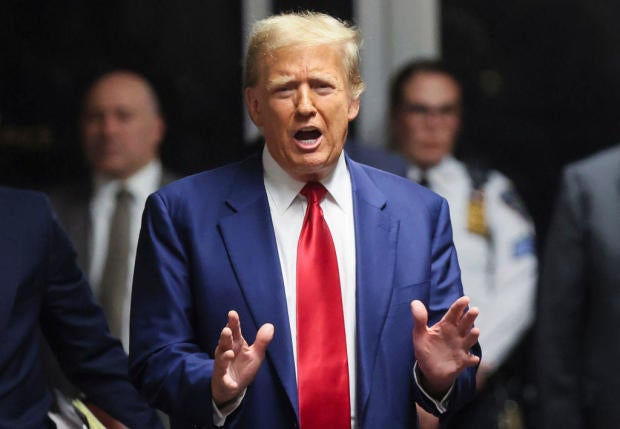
x=157 y=131
x=253 y=105
x=354 y=108
x=161 y=128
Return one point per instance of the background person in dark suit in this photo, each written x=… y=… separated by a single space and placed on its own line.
x=122 y=129
x=44 y=294
x=579 y=300
x=228 y=239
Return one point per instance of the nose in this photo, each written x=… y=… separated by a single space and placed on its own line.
x=305 y=103
x=109 y=125
x=434 y=118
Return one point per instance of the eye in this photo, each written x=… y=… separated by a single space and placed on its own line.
x=124 y=115
x=283 y=91
x=323 y=88
x=416 y=109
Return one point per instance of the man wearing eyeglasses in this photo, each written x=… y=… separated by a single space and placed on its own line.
x=493 y=233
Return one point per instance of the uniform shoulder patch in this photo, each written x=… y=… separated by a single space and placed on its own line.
x=525 y=246
x=514 y=201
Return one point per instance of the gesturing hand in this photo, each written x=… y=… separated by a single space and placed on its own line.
x=236 y=362
x=442 y=351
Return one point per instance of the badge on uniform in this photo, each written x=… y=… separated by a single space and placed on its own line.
x=476 y=218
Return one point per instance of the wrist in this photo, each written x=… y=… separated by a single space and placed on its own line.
x=437 y=387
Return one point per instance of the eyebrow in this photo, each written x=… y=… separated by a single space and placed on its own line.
x=312 y=76
x=279 y=81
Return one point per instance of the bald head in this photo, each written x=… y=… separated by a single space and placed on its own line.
x=122 y=127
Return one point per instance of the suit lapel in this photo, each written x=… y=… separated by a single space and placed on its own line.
x=72 y=206
x=250 y=241
x=375 y=238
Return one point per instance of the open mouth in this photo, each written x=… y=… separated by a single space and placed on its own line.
x=307 y=136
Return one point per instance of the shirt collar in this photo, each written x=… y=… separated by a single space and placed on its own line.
x=283 y=189
x=140 y=184
x=434 y=174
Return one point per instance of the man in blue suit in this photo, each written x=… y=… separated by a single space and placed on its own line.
x=43 y=293
x=229 y=247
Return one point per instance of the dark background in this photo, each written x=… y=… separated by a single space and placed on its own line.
x=542 y=81
x=51 y=51
x=191 y=51
x=542 y=86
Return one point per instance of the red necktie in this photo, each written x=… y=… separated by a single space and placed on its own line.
x=322 y=368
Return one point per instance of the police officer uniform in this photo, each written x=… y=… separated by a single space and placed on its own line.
x=495 y=242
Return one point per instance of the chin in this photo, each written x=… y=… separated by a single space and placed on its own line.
x=308 y=173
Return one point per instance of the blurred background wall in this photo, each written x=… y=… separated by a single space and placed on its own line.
x=542 y=79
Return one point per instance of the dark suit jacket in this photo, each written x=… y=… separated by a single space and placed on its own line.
x=207 y=246
x=43 y=293
x=578 y=350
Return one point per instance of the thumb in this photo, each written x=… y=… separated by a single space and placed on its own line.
x=420 y=317
x=263 y=338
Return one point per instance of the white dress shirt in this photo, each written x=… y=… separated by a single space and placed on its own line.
x=287 y=209
x=140 y=185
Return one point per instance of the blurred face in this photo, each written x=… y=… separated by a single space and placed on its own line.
x=302 y=105
x=121 y=128
x=427 y=122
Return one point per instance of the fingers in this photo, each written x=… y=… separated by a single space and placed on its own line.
x=225 y=342
x=235 y=325
x=455 y=312
x=469 y=341
x=263 y=338
x=467 y=321
x=420 y=317
x=223 y=353
x=471 y=338
x=231 y=336
x=472 y=360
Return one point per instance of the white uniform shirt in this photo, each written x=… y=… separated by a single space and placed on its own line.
x=498 y=272
x=140 y=185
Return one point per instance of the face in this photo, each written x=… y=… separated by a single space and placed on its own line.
x=427 y=122
x=302 y=105
x=121 y=128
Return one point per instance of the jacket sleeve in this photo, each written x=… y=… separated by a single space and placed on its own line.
x=166 y=364
x=446 y=288
x=77 y=332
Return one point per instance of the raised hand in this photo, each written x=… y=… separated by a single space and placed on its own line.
x=236 y=362
x=442 y=350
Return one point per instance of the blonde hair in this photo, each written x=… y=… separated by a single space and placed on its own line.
x=304 y=29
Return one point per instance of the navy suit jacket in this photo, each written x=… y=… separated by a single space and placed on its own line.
x=43 y=293
x=207 y=246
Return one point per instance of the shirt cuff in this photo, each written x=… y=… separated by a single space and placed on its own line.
x=441 y=405
x=220 y=414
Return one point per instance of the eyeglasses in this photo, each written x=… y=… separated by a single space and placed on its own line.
x=443 y=111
